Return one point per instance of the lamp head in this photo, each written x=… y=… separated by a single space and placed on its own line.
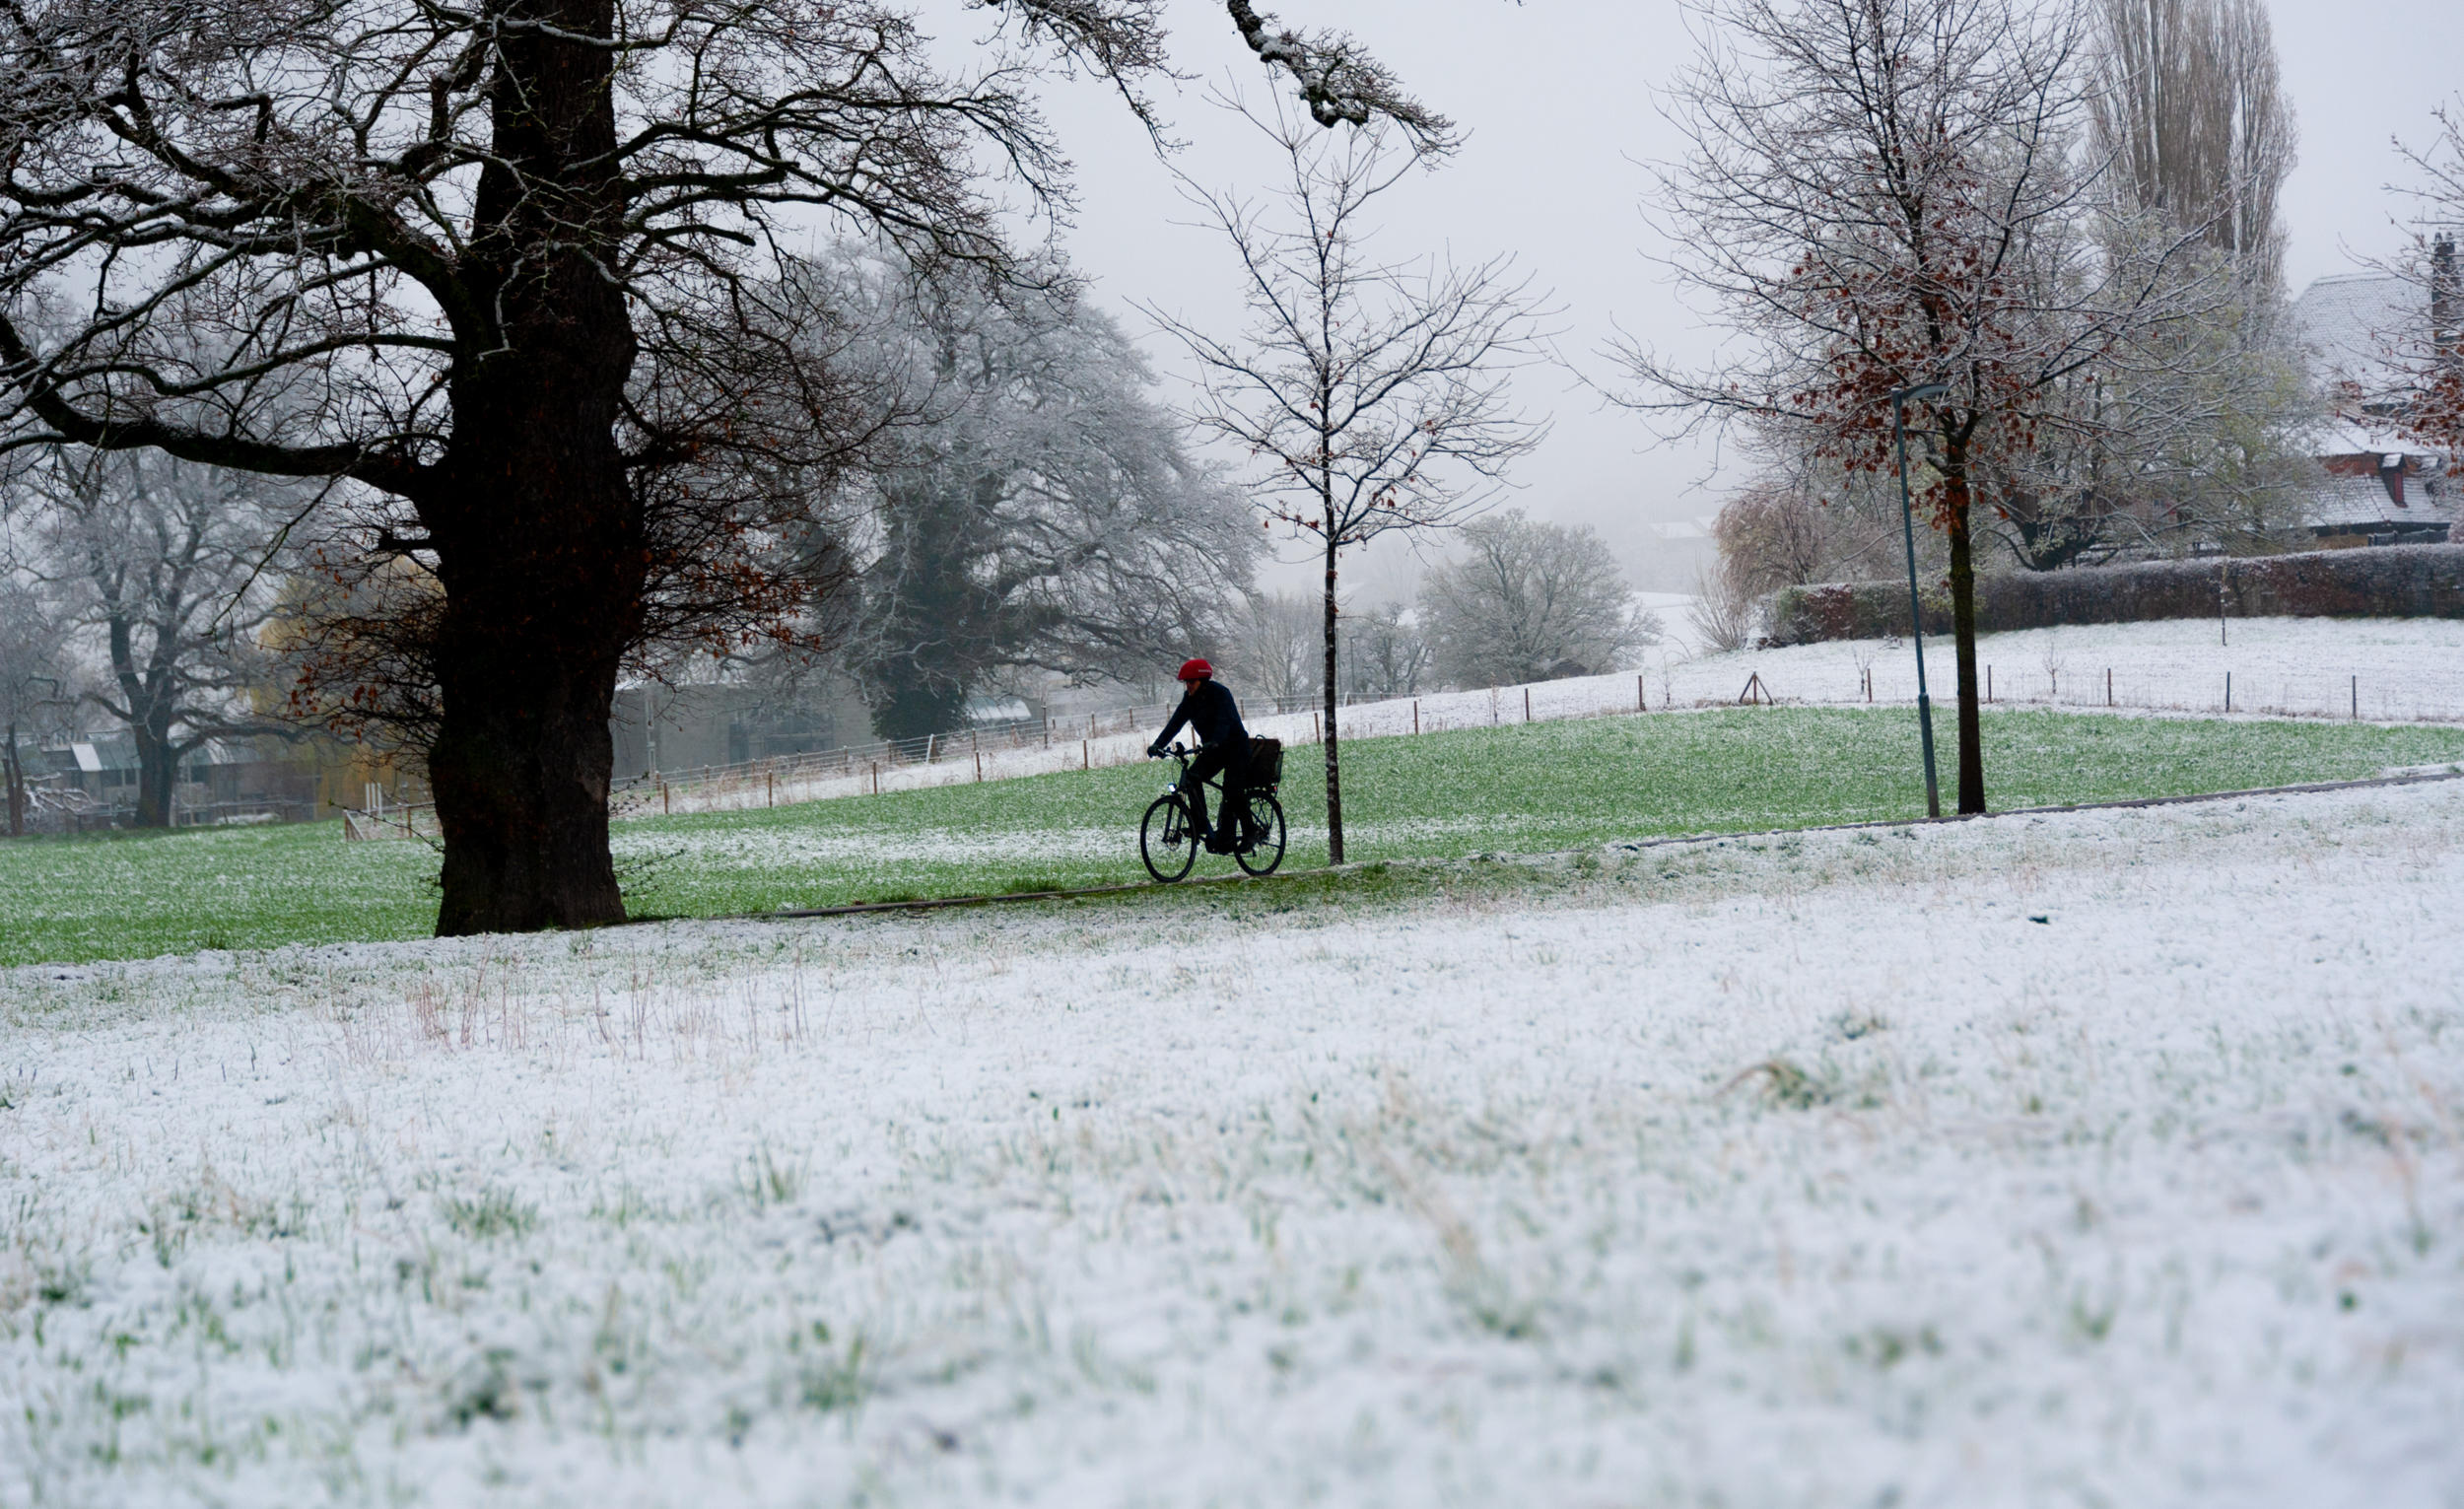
x=1921 y=390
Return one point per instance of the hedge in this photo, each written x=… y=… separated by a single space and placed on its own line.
x=2382 y=581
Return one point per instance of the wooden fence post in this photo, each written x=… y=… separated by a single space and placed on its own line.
x=1415 y=714
x=1639 y=705
x=1086 y=753
x=2108 y=686
x=2357 y=699
x=1526 y=704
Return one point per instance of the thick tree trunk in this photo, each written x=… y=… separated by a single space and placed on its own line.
x=1327 y=685
x=157 y=769
x=1964 y=632
x=539 y=608
x=520 y=771
x=538 y=540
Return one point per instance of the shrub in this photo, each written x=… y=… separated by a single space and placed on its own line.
x=2394 y=581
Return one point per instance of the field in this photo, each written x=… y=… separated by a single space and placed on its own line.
x=2095 y=1159
x=1540 y=787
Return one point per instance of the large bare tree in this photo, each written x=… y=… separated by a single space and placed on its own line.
x=516 y=269
x=1370 y=394
x=1528 y=600
x=1883 y=194
x=1040 y=511
x=171 y=566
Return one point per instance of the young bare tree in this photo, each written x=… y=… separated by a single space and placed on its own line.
x=514 y=268
x=1883 y=195
x=1530 y=601
x=1724 y=612
x=172 y=568
x=1371 y=393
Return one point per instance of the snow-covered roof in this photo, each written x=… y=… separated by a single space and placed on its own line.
x=2362 y=435
x=2345 y=325
x=2363 y=501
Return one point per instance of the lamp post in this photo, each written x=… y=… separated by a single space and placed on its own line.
x=1916 y=613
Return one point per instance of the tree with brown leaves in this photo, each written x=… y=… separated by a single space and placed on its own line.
x=1883 y=194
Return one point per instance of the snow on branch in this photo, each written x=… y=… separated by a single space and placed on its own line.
x=1341 y=83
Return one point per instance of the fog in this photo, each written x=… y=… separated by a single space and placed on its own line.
x=1558 y=101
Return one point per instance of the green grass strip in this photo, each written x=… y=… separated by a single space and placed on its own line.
x=1520 y=787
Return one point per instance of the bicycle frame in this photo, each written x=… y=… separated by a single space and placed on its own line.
x=1182 y=754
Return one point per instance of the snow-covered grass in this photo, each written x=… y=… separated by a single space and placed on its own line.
x=2109 y=1157
x=1543 y=786
x=2319 y=667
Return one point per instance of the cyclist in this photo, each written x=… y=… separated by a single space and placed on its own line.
x=1207 y=706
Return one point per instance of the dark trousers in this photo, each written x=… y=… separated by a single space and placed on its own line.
x=1233 y=760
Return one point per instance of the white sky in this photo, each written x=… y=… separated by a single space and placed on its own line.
x=1557 y=98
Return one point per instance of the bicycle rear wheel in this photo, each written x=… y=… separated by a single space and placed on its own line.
x=1265 y=815
x=1167 y=840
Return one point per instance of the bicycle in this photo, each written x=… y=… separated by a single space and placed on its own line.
x=1168 y=834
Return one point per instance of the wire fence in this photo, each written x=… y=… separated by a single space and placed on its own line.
x=52 y=806
x=2376 y=693
x=1027 y=747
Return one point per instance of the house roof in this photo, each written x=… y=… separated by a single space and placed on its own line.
x=2362 y=435
x=2359 y=501
x=2345 y=325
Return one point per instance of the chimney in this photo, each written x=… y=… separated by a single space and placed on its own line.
x=2391 y=477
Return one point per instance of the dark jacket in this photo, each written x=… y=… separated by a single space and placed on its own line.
x=1208 y=709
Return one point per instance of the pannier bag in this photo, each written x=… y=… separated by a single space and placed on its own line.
x=1266 y=764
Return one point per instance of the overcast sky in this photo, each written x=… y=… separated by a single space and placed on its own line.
x=1557 y=98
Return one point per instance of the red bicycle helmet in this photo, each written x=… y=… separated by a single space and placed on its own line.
x=1191 y=670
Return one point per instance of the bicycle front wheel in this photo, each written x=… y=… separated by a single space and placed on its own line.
x=1265 y=815
x=1167 y=839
